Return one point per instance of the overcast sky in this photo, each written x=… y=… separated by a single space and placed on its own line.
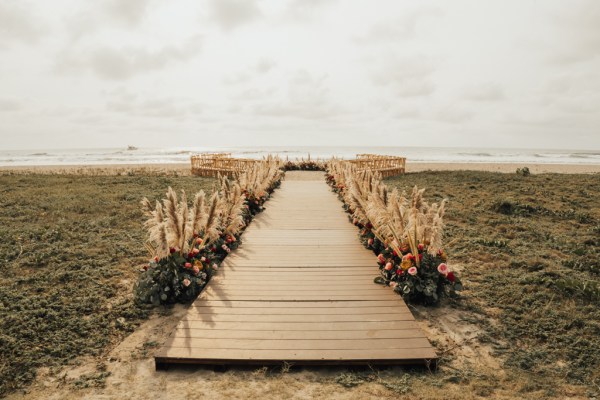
x=154 y=73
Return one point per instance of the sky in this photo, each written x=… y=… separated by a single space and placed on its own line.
x=151 y=73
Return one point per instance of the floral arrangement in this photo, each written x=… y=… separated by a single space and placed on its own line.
x=405 y=233
x=187 y=242
x=305 y=165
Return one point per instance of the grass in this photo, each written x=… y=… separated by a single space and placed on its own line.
x=530 y=249
x=69 y=247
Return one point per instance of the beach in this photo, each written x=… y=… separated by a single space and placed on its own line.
x=520 y=242
x=183 y=169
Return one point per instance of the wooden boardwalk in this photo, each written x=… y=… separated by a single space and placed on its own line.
x=300 y=289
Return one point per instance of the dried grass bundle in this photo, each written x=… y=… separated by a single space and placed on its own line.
x=396 y=220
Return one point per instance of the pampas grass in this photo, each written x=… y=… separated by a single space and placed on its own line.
x=172 y=224
x=397 y=220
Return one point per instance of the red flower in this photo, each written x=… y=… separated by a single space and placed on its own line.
x=381 y=258
x=420 y=246
x=420 y=257
x=451 y=276
x=395 y=254
x=172 y=250
x=399 y=272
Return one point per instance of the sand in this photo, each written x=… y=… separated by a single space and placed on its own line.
x=184 y=169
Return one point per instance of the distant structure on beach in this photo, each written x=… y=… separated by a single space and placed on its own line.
x=214 y=164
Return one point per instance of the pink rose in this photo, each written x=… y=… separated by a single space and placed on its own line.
x=196 y=270
x=188 y=265
x=195 y=251
x=370 y=242
x=388 y=266
x=215 y=266
x=393 y=284
x=443 y=269
x=412 y=271
x=186 y=282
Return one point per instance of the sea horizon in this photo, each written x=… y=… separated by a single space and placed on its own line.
x=176 y=155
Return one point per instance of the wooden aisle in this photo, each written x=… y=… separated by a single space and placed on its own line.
x=299 y=289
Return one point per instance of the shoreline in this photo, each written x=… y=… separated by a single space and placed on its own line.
x=183 y=169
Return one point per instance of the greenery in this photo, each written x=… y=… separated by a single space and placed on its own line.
x=69 y=254
x=536 y=296
x=304 y=165
x=406 y=235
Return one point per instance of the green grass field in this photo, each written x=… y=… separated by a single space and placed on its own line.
x=71 y=246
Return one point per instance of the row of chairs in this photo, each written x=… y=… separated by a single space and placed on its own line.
x=387 y=166
x=214 y=164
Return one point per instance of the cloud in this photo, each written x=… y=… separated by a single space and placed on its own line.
x=406 y=77
x=579 y=34
x=156 y=108
x=129 y=12
x=17 y=24
x=231 y=14
x=7 y=105
x=487 y=92
x=124 y=63
x=302 y=10
x=124 y=14
x=307 y=97
x=399 y=28
x=451 y=114
x=264 y=66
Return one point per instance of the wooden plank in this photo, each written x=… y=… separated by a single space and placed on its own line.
x=303 y=326
x=289 y=311
x=210 y=333
x=298 y=344
x=295 y=297
x=312 y=304
x=289 y=289
x=221 y=317
x=413 y=355
x=302 y=286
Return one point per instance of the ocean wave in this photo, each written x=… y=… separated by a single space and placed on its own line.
x=476 y=154
x=584 y=155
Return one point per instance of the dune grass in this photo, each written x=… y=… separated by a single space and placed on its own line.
x=530 y=247
x=69 y=250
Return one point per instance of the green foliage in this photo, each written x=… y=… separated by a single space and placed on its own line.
x=66 y=277
x=169 y=281
x=305 y=165
x=426 y=283
x=538 y=305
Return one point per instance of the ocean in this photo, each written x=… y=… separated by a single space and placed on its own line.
x=182 y=155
